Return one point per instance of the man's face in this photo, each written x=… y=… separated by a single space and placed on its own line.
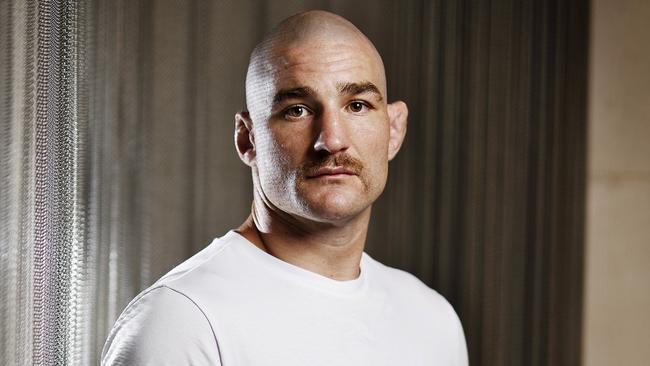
x=321 y=130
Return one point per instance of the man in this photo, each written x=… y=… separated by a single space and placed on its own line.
x=292 y=285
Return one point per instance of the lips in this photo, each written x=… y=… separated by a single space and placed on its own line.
x=331 y=171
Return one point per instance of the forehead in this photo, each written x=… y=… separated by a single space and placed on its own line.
x=324 y=65
x=321 y=65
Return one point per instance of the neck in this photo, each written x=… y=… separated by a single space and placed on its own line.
x=330 y=249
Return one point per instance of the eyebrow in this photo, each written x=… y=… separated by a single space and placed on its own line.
x=344 y=88
x=299 y=92
x=360 y=88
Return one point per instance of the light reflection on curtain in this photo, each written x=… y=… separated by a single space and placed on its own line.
x=117 y=160
x=45 y=289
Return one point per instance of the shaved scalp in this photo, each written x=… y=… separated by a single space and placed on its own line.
x=315 y=28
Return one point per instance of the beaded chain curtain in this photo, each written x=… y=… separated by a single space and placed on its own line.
x=117 y=160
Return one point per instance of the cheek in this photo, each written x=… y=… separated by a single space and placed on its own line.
x=378 y=173
x=374 y=148
x=279 y=152
x=374 y=141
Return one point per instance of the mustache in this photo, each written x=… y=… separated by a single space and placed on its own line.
x=338 y=160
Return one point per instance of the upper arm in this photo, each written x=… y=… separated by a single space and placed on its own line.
x=161 y=327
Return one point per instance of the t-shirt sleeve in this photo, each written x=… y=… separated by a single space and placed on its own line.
x=161 y=327
x=454 y=334
x=457 y=336
x=462 y=357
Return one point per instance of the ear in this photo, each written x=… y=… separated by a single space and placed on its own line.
x=244 y=138
x=398 y=116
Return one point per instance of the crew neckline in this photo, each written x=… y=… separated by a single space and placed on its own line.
x=305 y=276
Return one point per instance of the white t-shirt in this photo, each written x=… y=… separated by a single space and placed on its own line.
x=233 y=304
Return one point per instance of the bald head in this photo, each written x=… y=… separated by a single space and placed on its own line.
x=316 y=99
x=310 y=26
x=308 y=32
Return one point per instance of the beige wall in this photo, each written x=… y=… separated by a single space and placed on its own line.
x=617 y=282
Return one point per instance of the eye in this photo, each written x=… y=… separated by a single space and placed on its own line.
x=297 y=111
x=357 y=106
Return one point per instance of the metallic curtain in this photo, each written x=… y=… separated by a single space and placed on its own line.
x=117 y=160
x=45 y=289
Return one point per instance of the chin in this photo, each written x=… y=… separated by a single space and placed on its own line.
x=334 y=208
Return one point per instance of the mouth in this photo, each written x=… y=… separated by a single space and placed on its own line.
x=331 y=172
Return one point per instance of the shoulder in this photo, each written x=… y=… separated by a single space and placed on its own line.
x=161 y=326
x=219 y=250
x=399 y=282
x=425 y=305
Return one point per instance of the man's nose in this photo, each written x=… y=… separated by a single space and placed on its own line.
x=332 y=133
